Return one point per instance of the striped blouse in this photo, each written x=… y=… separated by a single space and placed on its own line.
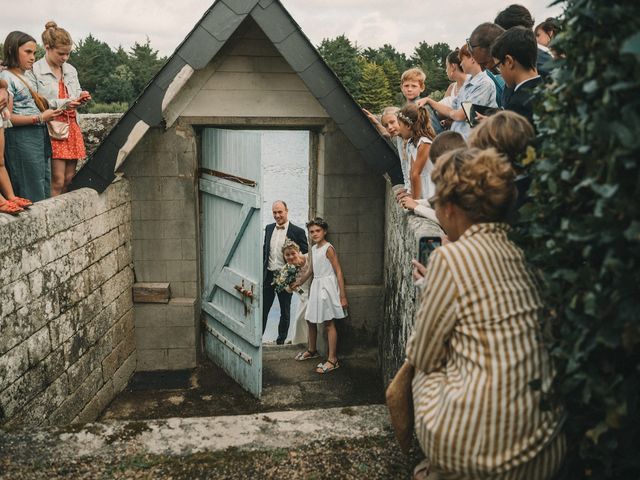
x=477 y=352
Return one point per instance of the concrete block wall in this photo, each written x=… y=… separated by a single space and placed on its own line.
x=403 y=229
x=162 y=170
x=67 y=343
x=352 y=200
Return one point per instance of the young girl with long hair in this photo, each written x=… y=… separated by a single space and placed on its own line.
x=57 y=81
x=27 y=146
x=414 y=126
x=327 y=297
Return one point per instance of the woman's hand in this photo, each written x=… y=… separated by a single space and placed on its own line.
x=418 y=270
x=84 y=97
x=4 y=98
x=73 y=104
x=408 y=202
x=343 y=301
x=48 y=115
x=421 y=102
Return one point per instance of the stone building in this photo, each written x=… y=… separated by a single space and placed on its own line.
x=186 y=147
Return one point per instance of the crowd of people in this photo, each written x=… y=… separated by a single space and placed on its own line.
x=40 y=139
x=475 y=386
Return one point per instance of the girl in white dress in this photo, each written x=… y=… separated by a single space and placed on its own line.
x=327 y=297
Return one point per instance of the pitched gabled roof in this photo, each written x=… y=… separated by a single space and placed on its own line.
x=196 y=51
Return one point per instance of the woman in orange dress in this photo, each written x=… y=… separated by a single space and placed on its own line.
x=57 y=81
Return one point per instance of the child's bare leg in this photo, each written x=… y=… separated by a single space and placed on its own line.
x=332 y=337
x=57 y=176
x=5 y=182
x=69 y=172
x=313 y=336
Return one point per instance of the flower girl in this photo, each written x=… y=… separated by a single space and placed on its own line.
x=327 y=297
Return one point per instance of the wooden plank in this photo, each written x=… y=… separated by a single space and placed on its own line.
x=258 y=81
x=255 y=64
x=254 y=47
x=151 y=292
x=246 y=103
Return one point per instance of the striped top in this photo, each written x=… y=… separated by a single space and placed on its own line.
x=477 y=348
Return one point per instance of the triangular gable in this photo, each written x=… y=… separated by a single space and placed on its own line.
x=198 y=49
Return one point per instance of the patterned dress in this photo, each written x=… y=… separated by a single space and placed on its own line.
x=477 y=352
x=71 y=148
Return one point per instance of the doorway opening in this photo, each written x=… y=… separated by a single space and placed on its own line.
x=286 y=160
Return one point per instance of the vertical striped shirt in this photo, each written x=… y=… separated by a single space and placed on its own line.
x=480 y=365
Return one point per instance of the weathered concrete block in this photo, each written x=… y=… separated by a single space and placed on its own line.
x=122 y=376
x=37 y=411
x=39 y=346
x=182 y=270
x=161 y=249
x=96 y=406
x=181 y=358
x=180 y=227
x=189 y=249
x=150 y=270
x=181 y=312
x=124 y=256
x=113 y=287
x=178 y=188
x=13 y=364
x=78 y=399
x=147 y=188
x=181 y=337
x=152 y=338
x=151 y=359
x=150 y=315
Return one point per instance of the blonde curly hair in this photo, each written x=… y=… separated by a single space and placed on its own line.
x=480 y=182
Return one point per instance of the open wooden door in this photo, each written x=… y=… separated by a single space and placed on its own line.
x=230 y=188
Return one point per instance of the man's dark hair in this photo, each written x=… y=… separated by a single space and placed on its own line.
x=515 y=16
x=11 y=45
x=485 y=34
x=520 y=43
x=445 y=142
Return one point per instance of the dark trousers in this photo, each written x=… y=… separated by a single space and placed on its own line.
x=284 y=299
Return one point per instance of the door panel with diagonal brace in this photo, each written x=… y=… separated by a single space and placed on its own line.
x=230 y=183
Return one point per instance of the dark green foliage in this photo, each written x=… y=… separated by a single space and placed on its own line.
x=582 y=231
x=94 y=61
x=143 y=61
x=432 y=58
x=342 y=56
x=374 y=88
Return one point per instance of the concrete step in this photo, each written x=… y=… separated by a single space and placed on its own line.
x=289 y=443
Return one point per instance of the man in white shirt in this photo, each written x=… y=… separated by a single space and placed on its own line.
x=273 y=261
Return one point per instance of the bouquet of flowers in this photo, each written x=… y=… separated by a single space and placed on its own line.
x=285 y=277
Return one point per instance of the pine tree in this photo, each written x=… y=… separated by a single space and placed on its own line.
x=342 y=57
x=144 y=63
x=374 y=87
x=94 y=61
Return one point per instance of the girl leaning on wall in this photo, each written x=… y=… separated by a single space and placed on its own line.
x=27 y=146
x=57 y=81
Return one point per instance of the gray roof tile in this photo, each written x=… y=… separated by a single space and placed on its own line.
x=241 y=6
x=221 y=22
x=272 y=21
x=319 y=79
x=296 y=51
x=199 y=48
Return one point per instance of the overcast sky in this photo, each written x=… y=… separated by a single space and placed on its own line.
x=370 y=23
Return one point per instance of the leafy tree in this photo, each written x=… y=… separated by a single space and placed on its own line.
x=342 y=56
x=374 y=88
x=582 y=231
x=144 y=63
x=384 y=53
x=94 y=61
x=392 y=75
x=432 y=59
x=117 y=87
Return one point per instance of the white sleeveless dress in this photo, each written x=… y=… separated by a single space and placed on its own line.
x=324 y=296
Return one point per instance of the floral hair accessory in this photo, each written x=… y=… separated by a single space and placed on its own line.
x=288 y=243
x=404 y=118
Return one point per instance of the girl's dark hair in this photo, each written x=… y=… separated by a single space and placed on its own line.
x=11 y=45
x=418 y=119
x=550 y=26
x=318 y=221
x=454 y=58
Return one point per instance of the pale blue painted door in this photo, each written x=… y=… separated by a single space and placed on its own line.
x=230 y=187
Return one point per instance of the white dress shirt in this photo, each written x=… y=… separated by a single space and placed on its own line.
x=276 y=259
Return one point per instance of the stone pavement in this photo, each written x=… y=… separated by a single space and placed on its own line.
x=287 y=385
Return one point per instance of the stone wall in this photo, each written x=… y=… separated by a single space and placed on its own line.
x=67 y=343
x=95 y=127
x=352 y=199
x=403 y=229
x=162 y=170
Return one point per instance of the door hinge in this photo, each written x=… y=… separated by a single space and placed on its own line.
x=228 y=343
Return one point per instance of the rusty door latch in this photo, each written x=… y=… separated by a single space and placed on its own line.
x=245 y=294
